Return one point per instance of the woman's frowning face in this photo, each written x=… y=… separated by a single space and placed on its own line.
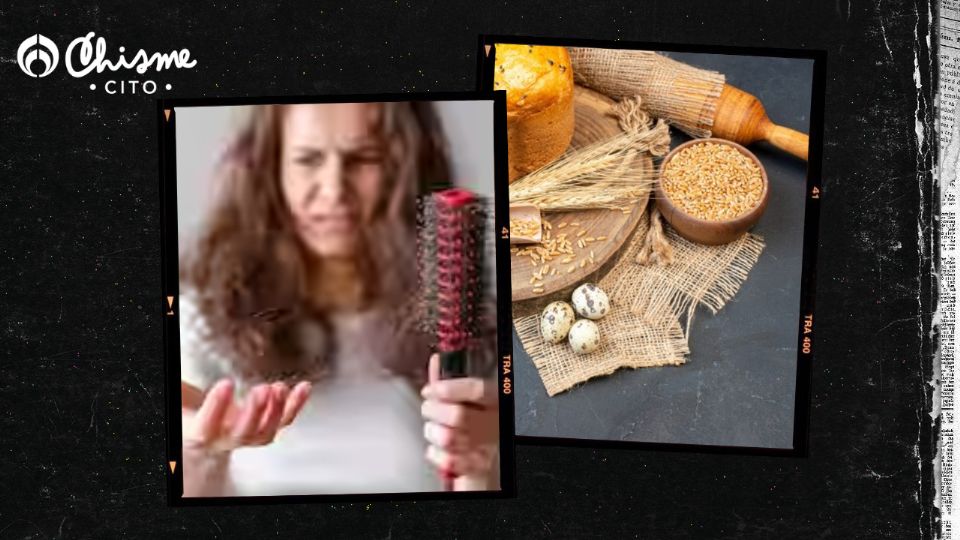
x=332 y=173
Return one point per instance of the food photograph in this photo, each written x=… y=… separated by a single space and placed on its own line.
x=659 y=205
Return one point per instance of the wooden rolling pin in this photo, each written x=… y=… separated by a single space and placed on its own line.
x=741 y=118
x=683 y=95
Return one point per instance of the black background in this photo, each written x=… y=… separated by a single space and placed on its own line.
x=81 y=383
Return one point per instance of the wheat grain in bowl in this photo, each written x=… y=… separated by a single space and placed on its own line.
x=713 y=182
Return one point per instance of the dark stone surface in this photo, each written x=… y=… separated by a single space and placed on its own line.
x=737 y=387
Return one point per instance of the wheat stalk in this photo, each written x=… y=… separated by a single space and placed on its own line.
x=607 y=174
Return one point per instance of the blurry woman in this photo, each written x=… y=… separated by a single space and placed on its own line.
x=301 y=365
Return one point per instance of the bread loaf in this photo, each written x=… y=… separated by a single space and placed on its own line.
x=539 y=84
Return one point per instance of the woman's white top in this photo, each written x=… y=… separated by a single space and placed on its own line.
x=359 y=432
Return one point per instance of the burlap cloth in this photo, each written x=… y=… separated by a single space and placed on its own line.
x=648 y=303
x=683 y=95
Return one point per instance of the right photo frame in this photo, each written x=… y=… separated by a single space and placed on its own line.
x=664 y=215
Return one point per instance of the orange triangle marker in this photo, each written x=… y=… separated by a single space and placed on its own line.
x=170 y=301
x=173 y=466
x=166 y=112
x=487 y=48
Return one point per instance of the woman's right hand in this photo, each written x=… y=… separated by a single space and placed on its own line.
x=221 y=424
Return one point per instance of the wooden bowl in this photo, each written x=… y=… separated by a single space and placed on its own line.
x=711 y=232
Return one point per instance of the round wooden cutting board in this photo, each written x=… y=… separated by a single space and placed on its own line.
x=594 y=122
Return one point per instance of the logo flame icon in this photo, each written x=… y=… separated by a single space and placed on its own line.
x=38 y=47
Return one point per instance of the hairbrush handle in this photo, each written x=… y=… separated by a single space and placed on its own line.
x=453 y=364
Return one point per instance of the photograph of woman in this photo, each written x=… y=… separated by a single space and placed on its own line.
x=302 y=368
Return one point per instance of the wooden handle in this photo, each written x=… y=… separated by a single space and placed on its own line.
x=741 y=118
x=786 y=139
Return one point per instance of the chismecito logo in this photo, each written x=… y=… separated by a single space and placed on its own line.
x=38 y=48
x=38 y=56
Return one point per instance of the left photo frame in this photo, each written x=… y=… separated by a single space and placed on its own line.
x=337 y=298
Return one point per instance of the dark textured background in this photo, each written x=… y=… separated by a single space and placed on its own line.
x=81 y=423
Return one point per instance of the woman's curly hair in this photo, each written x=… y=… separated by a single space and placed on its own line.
x=249 y=268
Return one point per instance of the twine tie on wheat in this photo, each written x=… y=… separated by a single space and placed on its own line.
x=632 y=117
x=609 y=173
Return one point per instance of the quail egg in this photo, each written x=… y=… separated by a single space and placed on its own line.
x=584 y=336
x=590 y=301
x=555 y=322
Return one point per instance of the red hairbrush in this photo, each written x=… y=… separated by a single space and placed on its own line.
x=452 y=225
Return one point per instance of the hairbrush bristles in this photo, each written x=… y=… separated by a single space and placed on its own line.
x=427 y=266
x=450 y=256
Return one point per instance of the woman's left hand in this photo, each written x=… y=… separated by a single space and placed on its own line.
x=462 y=423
